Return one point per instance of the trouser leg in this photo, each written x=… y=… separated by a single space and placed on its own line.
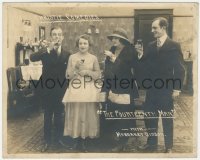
x=167 y=113
x=59 y=116
x=48 y=114
x=151 y=118
x=152 y=128
x=168 y=132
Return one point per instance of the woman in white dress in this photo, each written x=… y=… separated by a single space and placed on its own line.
x=81 y=98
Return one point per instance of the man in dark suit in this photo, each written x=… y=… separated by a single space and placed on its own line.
x=162 y=63
x=53 y=84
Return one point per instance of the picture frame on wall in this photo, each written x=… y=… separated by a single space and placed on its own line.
x=41 y=32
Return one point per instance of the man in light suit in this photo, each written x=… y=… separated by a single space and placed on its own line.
x=53 y=84
x=162 y=63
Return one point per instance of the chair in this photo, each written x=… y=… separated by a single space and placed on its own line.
x=20 y=92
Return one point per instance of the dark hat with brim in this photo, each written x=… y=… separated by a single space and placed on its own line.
x=119 y=33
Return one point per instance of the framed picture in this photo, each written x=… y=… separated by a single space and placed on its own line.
x=41 y=32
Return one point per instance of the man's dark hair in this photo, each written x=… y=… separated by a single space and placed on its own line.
x=163 y=22
x=53 y=28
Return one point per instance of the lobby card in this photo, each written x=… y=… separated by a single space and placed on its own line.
x=100 y=80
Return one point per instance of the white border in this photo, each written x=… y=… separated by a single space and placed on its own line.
x=197 y=1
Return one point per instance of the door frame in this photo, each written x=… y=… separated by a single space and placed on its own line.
x=146 y=13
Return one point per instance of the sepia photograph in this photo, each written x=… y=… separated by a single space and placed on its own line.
x=100 y=80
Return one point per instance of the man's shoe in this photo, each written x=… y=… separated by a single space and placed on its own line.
x=148 y=147
x=75 y=146
x=83 y=148
x=62 y=144
x=45 y=147
x=168 y=150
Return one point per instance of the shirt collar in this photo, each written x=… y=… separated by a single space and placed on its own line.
x=163 y=39
x=59 y=49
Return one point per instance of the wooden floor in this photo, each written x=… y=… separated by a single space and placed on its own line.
x=25 y=135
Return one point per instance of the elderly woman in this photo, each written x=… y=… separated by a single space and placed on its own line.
x=120 y=86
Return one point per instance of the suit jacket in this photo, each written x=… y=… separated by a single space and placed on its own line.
x=122 y=71
x=163 y=68
x=52 y=82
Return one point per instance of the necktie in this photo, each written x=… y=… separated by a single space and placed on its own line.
x=158 y=44
x=57 y=51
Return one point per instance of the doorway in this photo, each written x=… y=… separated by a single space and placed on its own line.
x=143 y=21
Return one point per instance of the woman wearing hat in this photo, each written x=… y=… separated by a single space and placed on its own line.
x=120 y=87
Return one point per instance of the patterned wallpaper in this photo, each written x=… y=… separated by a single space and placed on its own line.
x=182 y=33
x=73 y=30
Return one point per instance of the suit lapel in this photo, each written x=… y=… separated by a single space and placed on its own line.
x=56 y=58
x=63 y=56
x=53 y=57
x=154 y=48
x=165 y=46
